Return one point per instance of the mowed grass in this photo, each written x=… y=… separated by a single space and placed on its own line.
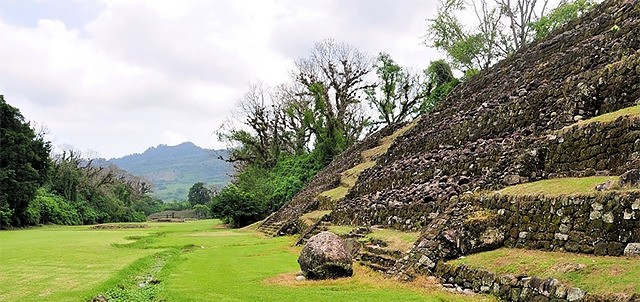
x=596 y=274
x=195 y=261
x=61 y=263
x=559 y=186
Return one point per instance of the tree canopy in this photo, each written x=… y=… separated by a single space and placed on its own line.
x=24 y=162
x=500 y=28
x=39 y=188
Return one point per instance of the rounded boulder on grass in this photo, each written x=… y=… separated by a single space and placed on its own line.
x=325 y=256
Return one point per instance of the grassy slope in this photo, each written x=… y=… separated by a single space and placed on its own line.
x=597 y=274
x=203 y=262
x=558 y=186
x=633 y=111
x=349 y=177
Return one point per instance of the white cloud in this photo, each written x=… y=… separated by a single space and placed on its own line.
x=121 y=76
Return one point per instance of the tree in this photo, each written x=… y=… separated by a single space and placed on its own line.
x=334 y=76
x=467 y=49
x=561 y=15
x=501 y=28
x=236 y=207
x=199 y=194
x=202 y=211
x=520 y=15
x=440 y=83
x=261 y=138
x=398 y=93
x=24 y=162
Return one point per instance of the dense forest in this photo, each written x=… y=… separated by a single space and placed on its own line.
x=39 y=188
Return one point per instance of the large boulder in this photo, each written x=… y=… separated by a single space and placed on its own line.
x=325 y=256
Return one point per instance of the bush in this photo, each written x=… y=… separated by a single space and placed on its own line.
x=236 y=207
x=54 y=209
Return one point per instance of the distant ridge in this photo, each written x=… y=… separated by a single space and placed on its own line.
x=174 y=169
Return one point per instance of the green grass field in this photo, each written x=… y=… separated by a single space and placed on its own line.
x=193 y=261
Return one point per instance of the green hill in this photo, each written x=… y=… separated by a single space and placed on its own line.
x=174 y=169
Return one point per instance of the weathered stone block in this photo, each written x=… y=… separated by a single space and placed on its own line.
x=632 y=249
x=575 y=294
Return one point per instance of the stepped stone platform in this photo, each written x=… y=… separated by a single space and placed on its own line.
x=538 y=115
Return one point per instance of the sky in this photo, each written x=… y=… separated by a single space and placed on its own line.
x=111 y=78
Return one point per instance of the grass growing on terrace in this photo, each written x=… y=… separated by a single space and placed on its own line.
x=193 y=261
x=559 y=186
x=633 y=111
x=349 y=177
x=596 y=274
x=397 y=240
x=313 y=217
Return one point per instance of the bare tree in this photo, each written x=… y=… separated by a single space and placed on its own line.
x=260 y=138
x=520 y=15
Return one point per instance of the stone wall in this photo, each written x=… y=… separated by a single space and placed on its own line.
x=521 y=288
x=613 y=146
x=602 y=224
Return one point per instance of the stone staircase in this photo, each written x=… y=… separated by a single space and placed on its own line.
x=273 y=224
x=378 y=257
x=321 y=225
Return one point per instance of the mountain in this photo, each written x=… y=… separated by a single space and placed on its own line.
x=174 y=169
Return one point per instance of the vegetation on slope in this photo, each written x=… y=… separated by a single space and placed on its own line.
x=39 y=188
x=173 y=169
x=349 y=177
x=595 y=274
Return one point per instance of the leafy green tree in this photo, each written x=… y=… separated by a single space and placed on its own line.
x=24 y=162
x=236 y=207
x=398 y=93
x=501 y=27
x=467 y=48
x=561 y=15
x=199 y=194
x=440 y=83
x=202 y=211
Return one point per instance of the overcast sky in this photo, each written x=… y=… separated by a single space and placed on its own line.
x=116 y=77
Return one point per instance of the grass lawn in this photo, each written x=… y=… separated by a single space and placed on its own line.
x=61 y=263
x=193 y=261
x=596 y=274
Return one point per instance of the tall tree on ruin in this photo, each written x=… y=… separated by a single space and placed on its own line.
x=500 y=27
x=334 y=75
